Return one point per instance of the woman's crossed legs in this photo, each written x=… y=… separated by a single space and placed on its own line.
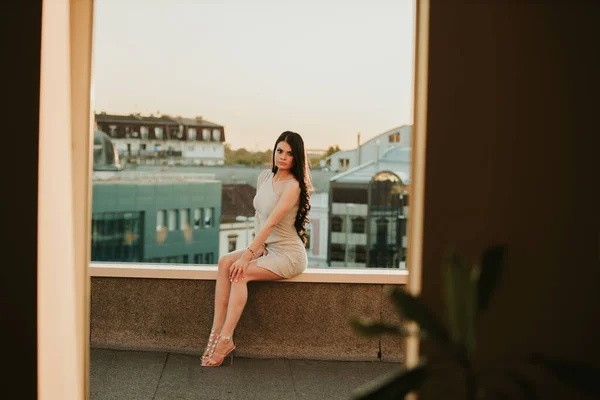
x=230 y=300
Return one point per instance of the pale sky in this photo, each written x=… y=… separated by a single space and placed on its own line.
x=326 y=69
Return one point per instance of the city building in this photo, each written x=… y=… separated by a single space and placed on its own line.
x=318 y=228
x=237 y=217
x=369 y=150
x=164 y=140
x=106 y=156
x=151 y=216
x=368 y=208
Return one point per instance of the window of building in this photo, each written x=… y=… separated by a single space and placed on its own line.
x=184 y=221
x=382 y=230
x=206 y=134
x=117 y=236
x=160 y=219
x=404 y=204
x=209 y=258
x=144 y=131
x=338 y=252
x=216 y=135
x=394 y=137
x=198 y=258
x=360 y=253
x=113 y=130
x=191 y=133
x=358 y=225
x=232 y=242
x=172 y=220
x=208 y=217
x=385 y=223
x=175 y=132
x=336 y=224
x=197 y=218
x=158 y=133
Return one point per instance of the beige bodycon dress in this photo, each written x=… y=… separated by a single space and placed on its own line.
x=286 y=255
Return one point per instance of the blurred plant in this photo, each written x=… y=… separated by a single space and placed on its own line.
x=468 y=292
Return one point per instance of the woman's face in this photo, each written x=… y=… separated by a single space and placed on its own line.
x=284 y=159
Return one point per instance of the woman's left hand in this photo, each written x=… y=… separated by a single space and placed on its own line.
x=237 y=269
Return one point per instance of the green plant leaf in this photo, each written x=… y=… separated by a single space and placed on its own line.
x=576 y=374
x=412 y=309
x=370 y=327
x=492 y=265
x=394 y=385
x=460 y=283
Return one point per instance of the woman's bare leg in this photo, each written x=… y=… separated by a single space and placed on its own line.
x=237 y=301
x=223 y=288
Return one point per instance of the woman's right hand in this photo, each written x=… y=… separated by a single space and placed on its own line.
x=262 y=251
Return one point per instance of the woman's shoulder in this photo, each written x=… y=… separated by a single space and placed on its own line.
x=265 y=173
x=263 y=176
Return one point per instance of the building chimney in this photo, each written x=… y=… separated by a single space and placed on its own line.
x=358 y=147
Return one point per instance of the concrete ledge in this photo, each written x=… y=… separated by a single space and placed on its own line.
x=284 y=319
x=209 y=272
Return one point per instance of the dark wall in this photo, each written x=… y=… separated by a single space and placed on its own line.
x=512 y=157
x=20 y=34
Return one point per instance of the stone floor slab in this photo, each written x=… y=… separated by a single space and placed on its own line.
x=138 y=375
x=334 y=379
x=124 y=375
x=184 y=378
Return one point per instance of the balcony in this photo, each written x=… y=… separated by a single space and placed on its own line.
x=150 y=322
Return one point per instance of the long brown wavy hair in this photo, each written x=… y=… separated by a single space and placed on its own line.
x=301 y=172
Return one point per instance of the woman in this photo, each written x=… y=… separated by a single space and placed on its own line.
x=282 y=203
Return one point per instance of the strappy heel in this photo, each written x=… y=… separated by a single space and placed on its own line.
x=211 y=354
x=211 y=339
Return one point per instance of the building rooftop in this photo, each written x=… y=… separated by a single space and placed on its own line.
x=201 y=122
x=151 y=119
x=134 y=118
x=395 y=159
x=405 y=139
x=149 y=177
x=405 y=131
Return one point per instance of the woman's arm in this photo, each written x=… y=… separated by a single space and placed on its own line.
x=286 y=202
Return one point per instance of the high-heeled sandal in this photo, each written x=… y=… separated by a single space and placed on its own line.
x=210 y=358
x=211 y=338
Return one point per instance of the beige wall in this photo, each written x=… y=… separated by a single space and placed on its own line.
x=512 y=157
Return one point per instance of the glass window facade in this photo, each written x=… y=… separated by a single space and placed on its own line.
x=117 y=236
x=385 y=210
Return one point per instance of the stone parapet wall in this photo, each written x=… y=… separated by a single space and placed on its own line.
x=296 y=320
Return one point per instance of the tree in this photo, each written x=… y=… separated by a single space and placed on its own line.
x=331 y=150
